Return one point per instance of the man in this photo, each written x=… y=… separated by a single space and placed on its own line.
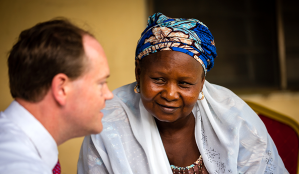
x=57 y=76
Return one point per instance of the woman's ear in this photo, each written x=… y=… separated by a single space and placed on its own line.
x=137 y=71
x=202 y=82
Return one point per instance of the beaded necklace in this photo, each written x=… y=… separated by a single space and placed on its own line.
x=196 y=167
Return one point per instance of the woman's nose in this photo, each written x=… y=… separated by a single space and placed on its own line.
x=170 y=92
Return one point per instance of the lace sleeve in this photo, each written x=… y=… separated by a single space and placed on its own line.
x=258 y=154
x=90 y=162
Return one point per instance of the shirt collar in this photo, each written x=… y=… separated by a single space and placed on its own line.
x=40 y=137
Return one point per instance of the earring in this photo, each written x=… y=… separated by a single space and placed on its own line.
x=136 y=89
x=201 y=96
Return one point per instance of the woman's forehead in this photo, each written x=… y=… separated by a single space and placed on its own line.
x=171 y=61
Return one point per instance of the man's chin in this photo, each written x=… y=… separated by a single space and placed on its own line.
x=97 y=130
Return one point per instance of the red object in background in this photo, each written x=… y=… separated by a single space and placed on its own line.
x=57 y=169
x=286 y=141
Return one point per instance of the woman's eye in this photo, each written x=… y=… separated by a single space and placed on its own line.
x=158 y=80
x=185 y=84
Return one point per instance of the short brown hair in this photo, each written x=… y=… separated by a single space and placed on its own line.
x=42 y=52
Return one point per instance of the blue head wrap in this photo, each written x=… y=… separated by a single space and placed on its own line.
x=189 y=36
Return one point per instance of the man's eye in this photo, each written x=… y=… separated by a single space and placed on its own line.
x=101 y=85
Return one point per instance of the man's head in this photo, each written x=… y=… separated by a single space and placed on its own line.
x=42 y=52
x=60 y=70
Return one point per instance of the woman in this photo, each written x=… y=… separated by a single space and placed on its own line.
x=171 y=120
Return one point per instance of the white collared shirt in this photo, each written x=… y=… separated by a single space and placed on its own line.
x=25 y=145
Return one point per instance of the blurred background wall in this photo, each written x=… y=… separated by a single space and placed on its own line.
x=246 y=33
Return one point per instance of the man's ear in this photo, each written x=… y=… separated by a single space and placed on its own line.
x=60 y=88
x=137 y=71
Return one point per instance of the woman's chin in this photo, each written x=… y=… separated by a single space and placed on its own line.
x=167 y=119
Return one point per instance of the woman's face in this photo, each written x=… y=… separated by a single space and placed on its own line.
x=170 y=83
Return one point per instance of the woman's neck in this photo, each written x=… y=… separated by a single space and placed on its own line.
x=181 y=126
x=179 y=140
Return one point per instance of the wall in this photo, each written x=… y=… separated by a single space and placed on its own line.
x=286 y=102
x=117 y=24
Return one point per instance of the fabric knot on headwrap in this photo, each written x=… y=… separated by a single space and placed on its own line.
x=189 y=36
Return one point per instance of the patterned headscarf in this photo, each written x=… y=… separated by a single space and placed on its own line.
x=188 y=36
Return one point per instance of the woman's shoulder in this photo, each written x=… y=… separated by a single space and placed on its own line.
x=124 y=101
x=232 y=109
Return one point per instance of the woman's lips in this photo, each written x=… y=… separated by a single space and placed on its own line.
x=167 y=109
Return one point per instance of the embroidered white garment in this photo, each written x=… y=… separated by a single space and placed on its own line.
x=230 y=137
x=25 y=145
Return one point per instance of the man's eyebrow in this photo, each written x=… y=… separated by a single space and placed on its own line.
x=108 y=76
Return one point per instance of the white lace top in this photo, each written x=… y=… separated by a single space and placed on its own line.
x=230 y=137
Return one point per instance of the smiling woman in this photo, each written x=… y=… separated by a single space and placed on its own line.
x=171 y=120
x=169 y=96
